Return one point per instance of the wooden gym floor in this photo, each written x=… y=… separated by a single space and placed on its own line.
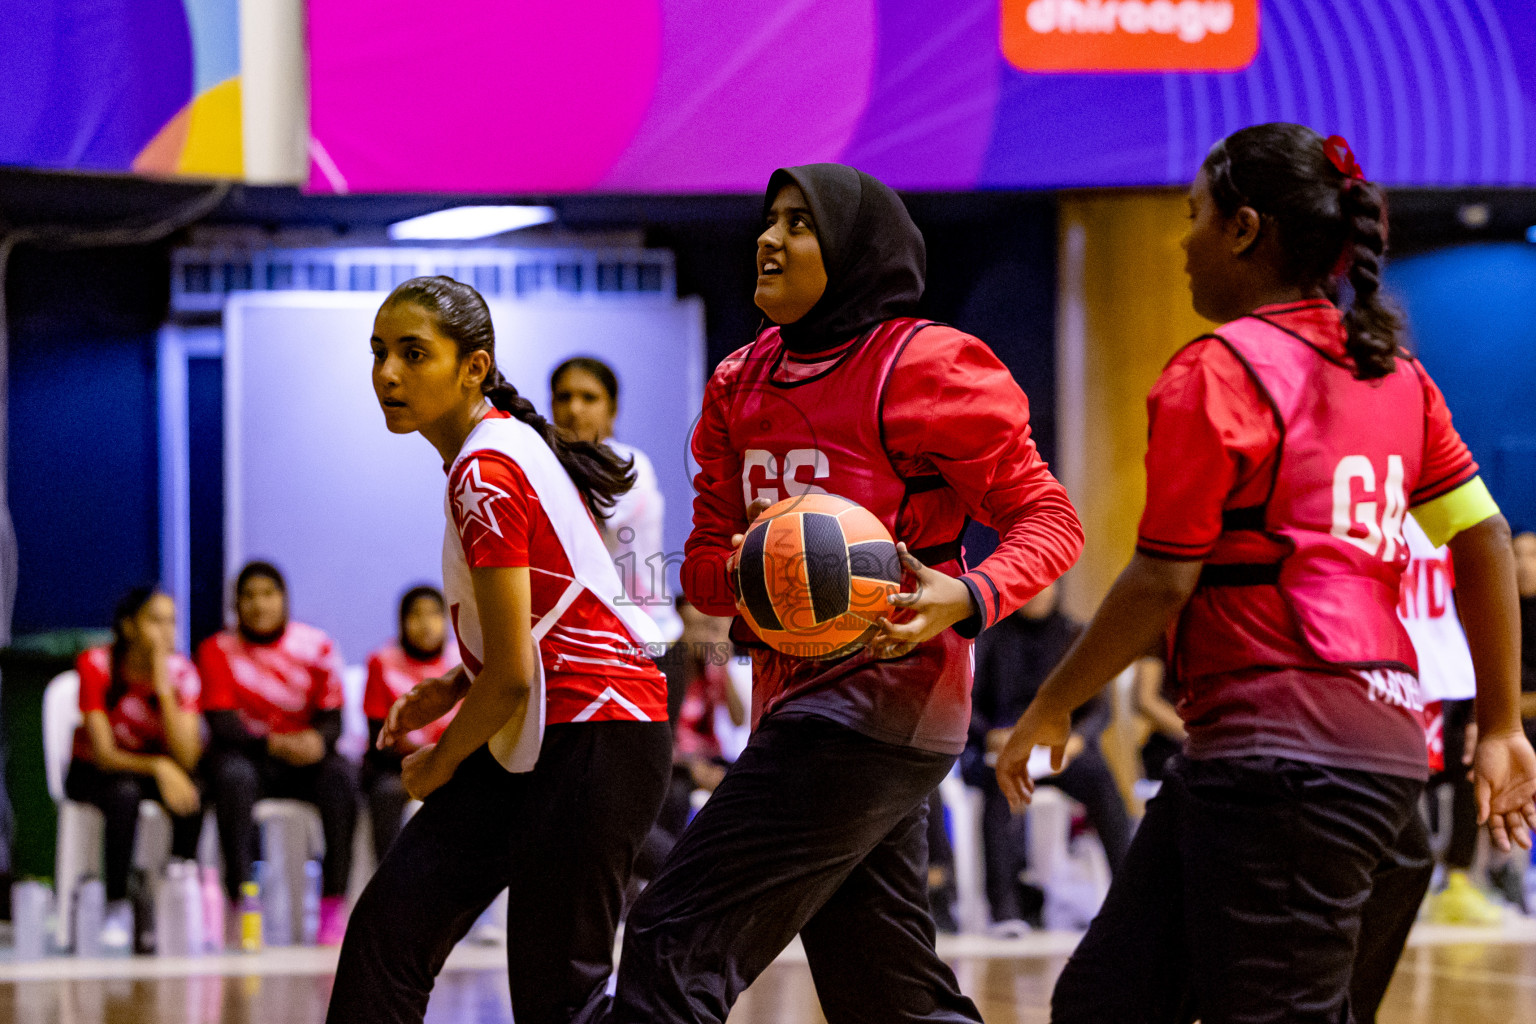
x=1448 y=974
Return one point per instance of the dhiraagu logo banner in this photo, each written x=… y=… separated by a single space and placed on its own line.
x=542 y=96
x=1130 y=35
x=698 y=96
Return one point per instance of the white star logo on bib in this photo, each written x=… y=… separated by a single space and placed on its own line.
x=475 y=498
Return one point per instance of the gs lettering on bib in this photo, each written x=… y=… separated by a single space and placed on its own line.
x=822 y=435
x=761 y=479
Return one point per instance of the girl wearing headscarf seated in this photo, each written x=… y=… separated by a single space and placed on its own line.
x=419 y=653
x=820 y=827
x=272 y=697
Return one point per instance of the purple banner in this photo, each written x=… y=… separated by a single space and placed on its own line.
x=699 y=96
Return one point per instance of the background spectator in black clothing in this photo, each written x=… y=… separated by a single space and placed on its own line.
x=1525 y=578
x=1012 y=660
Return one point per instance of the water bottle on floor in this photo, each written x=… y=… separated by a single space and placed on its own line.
x=191 y=883
x=312 y=893
x=213 y=910
x=171 y=938
x=250 y=917
x=90 y=911
x=276 y=904
x=29 y=916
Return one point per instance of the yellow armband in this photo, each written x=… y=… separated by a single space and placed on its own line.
x=1451 y=513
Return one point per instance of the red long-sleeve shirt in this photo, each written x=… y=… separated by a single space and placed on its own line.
x=949 y=409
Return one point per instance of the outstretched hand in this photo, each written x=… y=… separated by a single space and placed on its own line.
x=935 y=603
x=1504 y=777
x=1039 y=726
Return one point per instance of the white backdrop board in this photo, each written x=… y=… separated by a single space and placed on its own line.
x=353 y=514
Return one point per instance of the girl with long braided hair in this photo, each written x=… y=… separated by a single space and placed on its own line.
x=1286 y=448
x=554 y=766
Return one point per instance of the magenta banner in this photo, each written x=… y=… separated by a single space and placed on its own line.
x=541 y=96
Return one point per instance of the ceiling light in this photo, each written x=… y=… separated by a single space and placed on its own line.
x=1473 y=215
x=464 y=222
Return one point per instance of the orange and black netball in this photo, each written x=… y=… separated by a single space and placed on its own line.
x=814 y=575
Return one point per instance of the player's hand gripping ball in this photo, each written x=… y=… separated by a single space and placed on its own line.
x=814 y=575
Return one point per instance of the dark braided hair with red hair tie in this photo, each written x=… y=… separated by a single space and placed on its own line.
x=1332 y=225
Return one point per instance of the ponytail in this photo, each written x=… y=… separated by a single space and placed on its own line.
x=462 y=315
x=1332 y=226
x=596 y=469
x=1374 y=322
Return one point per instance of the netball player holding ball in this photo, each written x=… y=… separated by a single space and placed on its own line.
x=1285 y=450
x=820 y=827
x=555 y=764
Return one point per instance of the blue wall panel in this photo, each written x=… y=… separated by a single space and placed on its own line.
x=1471 y=313
x=82 y=474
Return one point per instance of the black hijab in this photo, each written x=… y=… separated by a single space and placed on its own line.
x=263 y=570
x=873 y=253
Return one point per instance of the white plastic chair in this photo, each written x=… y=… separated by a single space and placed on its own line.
x=964 y=806
x=1074 y=876
x=294 y=825
x=354 y=724
x=299 y=820
x=80 y=833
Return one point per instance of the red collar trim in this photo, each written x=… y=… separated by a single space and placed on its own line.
x=1294 y=307
x=825 y=355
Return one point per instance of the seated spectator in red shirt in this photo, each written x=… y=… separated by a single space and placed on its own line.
x=1012 y=660
x=141 y=740
x=419 y=653
x=272 y=696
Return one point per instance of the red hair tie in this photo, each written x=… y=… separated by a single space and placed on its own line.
x=1342 y=157
x=1345 y=263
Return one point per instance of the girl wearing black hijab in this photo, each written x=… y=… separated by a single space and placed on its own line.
x=820 y=827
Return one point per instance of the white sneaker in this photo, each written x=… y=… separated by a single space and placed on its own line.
x=117 y=927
